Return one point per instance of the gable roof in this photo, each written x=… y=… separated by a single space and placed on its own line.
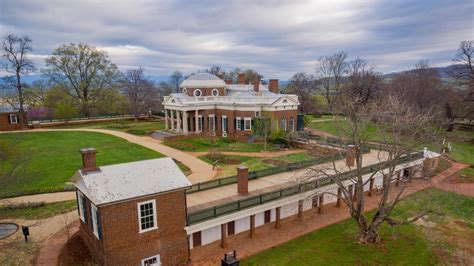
x=130 y=180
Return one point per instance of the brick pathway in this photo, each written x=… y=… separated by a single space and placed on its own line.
x=267 y=236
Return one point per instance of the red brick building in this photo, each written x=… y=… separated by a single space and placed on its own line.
x=9 y=118
x=133 y=213
x=208 y=104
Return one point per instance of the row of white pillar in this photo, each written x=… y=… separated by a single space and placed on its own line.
x=184 y=127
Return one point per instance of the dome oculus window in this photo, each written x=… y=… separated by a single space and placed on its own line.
x=215 y=92
x=197 y=93
x=185 y=90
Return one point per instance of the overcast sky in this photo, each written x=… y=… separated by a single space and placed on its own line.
x=276 y=38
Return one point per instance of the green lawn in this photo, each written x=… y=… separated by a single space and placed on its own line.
x=223 y=144
x=37 y=210
x=129 y=126
x=53 y=157
x=402 y=245
x=228 y=163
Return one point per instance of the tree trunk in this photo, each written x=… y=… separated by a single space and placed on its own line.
x=370 y=235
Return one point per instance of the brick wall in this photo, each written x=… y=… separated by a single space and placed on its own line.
x=122 y=244
x=5 y=123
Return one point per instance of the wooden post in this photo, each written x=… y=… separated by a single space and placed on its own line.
x=321 y=203
x=278 y=219
x=339 y=195
x=300 y=210
x=223 y=235
x=398 y=178
x=371 y=186
x=252 y=226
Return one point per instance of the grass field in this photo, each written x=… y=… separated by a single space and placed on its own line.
x=223 y=144
x=139 y=128
x=37 y=210
x=228 y=163
x=53 y=157
x=402 y=245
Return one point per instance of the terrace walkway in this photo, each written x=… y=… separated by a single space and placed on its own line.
x=212 y=197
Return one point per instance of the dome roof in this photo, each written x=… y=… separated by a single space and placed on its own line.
x=203 y=80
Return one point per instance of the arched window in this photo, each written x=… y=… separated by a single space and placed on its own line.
x=285 y=101
x=215 y=92
x=283 y=125
x=185 y=90
x=292 y=124
x=197 y=93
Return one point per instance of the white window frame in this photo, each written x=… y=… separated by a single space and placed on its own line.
x=10 y=118
x=158 y=259
x=212 y=121
x=95 y=227
x=292 y=124
x=196 y=90
x=185 y=91
x=216 y=91
x=80 y=202
x=237 y=120
x=155 y=226
x=257 y=113
x=224 y=124
x=283 y=124
x=249 y=119
x=200 y=123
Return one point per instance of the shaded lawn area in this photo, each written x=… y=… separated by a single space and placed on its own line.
x=229 y=163
x=402 y=245
x=53 y=157
x=139 y=128
x=223 y=144
x=463 y=151
x=36 y=210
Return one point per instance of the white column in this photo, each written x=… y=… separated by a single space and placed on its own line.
x=166 y=119
x=196 y=120
x=178 y=115
x=185 y=122
x=172 y=119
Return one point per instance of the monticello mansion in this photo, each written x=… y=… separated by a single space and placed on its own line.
x=209 y=105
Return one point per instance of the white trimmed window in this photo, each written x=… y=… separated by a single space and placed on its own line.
x=224 y=123
x=152 y=261
x=257 y=113
x=147 y=216
x=215 y=92
x=185 y=91
x=200 y=123
x=212 y=124
x=81 y=204
x=13 y=118
x=197 y=93
x=292 y=124
x=283 y=125
x=238 y=126
x=95 y=227
x=247 y=123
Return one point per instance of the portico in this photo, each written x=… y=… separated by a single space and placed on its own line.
x=183 y=121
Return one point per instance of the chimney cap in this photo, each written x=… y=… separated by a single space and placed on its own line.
x=242 y=167
x=87 y=150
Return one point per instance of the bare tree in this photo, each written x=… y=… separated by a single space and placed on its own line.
x=331 y=70
x=304 y=85
x=140 y=92
x=175 y=79
x=362 y=82
x=35 y=95
x=84 y=71
x=464 y=60
x=15 y=52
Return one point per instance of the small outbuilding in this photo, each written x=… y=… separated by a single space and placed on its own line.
x=133 y=213
x=9 y=118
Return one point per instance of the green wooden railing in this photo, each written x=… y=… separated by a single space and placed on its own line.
x=238 y=205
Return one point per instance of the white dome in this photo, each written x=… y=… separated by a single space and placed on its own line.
x=203 y=80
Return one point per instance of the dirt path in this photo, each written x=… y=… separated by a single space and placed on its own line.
x=267 y=236
x=262 y=154
x=201 y=171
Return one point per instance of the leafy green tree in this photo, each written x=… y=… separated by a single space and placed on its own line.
x=262 y=127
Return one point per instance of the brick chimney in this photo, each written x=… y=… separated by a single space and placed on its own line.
x=256 y=85
x=350 y=155
x=88 y=160
x=273 y=86
x=241 y=78
x=228 y=81
x=243 y=180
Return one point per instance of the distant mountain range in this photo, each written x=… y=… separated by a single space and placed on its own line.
x=443 y=72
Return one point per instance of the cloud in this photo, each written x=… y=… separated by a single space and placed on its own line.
x=277 y=38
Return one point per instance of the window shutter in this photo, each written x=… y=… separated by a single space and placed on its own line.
x=84 y=209
x=242 y=125
x=99 y=225
x=9 y=119
x=235 y=123
x=91 y=220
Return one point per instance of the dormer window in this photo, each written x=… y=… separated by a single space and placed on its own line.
x=215 y=92
x=285 y=101
x=173 y=101
x=197 y=93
